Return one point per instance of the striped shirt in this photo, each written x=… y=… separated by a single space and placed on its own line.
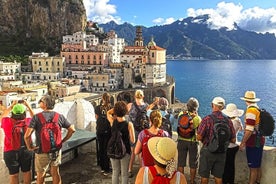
x=252 y=120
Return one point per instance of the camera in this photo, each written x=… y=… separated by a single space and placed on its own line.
x=20 y=101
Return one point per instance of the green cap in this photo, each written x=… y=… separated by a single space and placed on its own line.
x=18 y=109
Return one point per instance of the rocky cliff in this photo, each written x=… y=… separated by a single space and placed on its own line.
x=38 y=25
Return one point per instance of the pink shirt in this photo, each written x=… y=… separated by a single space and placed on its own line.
x=7 y=126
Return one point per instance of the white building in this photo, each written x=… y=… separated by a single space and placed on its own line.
x=9 y=68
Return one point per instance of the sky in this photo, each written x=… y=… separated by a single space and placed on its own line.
x=251 y=15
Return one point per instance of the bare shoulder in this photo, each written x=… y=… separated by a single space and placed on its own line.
x=140 y=176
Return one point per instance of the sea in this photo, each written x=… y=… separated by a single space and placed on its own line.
x=229 y=79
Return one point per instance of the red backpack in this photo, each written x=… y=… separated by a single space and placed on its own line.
x=50 y=134
x=18 y=130
x=147 y=158
x=159 y=179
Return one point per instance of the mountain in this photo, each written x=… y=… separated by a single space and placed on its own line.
x=192 y=38
x=28 y=26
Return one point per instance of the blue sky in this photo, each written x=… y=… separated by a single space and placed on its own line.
x=253 y=15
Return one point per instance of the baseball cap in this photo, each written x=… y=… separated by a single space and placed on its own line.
x=218 y=101
x=18 y=109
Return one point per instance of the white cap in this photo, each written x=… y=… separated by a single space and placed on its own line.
x=219 y=101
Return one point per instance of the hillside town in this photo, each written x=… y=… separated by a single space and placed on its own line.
x=90 y=61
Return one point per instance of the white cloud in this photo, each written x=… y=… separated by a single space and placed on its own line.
x=227 y=14
x=101 y=11
x=162 y=21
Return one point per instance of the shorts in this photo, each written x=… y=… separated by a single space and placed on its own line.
x=254 y=156
x=185 y=147
x=211 y=163
x=43 y=161
x=18 y=159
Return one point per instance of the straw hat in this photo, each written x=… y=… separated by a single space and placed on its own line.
x=163 y=149
x=250 y=96
x=231 y=110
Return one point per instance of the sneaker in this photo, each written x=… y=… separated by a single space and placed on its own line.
x=130 y=175
x=102 y=171
x=105 y=173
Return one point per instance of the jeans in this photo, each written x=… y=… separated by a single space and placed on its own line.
x=120 y=166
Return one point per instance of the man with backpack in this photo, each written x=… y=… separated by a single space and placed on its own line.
x=16 y=154
x=252 y=140
x=215 y=132
x=47 y=126
x=187 y=143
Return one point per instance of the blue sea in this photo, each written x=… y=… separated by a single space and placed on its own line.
x=206 y=79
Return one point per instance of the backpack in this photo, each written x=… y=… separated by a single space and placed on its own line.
x=116 y=148
x=159 y=179
x=141 y=120
x=166 y=124
x=146 y=155
x=185 y=127
x=18 y=130
x=266 y=126
x=221 y=135
x=102 y=124
x=50 y=134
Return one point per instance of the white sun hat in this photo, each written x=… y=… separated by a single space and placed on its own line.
x=231 y=110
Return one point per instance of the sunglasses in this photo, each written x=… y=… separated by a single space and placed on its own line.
x=40 y=101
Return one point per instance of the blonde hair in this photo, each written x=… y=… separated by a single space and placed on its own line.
x=139 y=94
x=156 y=118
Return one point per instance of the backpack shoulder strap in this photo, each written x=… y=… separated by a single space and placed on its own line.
x=146 y=132
x=41 y=118
x=55 y=118
x=153 y=171
x=160 y=132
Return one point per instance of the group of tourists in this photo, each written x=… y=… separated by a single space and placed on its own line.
x=133 y=128
x=208 y=144
x=20 y=150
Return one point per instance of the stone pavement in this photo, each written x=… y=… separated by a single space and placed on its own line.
x=84 y=169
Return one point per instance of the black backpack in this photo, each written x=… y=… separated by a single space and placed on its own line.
x=221 y=135
x=166 y=124
x=267 y=123
x=141 y=120
x=102 y=123
x=116 y=148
